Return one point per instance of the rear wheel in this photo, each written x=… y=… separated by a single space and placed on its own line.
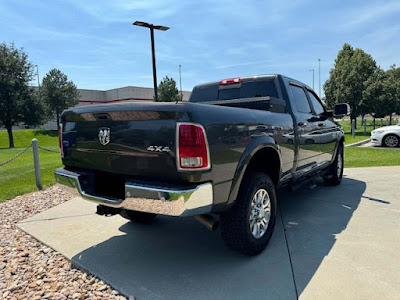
x=391 y=141
x=248 y=225
x=335 y=174
x=137 y=216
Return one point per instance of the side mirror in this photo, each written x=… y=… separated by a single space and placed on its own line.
x=341 y=110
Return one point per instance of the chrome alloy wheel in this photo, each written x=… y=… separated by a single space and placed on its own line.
x=260 y=213
x=391 y=141
x=339 y=165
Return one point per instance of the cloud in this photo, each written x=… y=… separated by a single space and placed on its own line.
x=126 y=11
x=370 y=13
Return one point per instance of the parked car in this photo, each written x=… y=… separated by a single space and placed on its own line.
x=387 y=136
x=220 y=157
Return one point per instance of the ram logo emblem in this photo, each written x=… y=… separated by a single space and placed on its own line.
x=104 y=135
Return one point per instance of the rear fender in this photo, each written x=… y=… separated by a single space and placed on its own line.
x=248 y=154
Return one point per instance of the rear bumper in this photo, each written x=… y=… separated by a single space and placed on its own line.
x=147 y=198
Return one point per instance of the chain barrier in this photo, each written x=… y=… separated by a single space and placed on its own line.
x=19 y=154
x=49 y=150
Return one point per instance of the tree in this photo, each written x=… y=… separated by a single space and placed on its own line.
x=381 y=94
x=167 y=91
x=58 y=93
x=376 y=96
x=34 y=109
x=393 y=76
x=15 y=74
x=353 y=67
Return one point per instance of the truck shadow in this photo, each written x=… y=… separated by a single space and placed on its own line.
x=312 y=219
x=175 y=258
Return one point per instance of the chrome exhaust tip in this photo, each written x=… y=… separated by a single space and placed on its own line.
x=208 y=221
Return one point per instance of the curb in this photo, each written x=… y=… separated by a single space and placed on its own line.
x=358 y=143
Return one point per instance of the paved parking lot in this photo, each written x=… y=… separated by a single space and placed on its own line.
x=330 y=243
x=372 y=145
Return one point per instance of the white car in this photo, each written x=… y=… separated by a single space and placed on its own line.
x=388 y=136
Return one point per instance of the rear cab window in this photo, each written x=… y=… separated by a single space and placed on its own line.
x=264 y=88
x=248 y=88
x=204 y=93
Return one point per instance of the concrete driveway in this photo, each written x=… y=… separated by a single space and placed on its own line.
x=329 y=243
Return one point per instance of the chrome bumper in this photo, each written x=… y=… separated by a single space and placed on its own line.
x=151 y=199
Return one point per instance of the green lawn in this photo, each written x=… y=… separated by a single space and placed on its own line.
x=17 y=177
x=23 y=138
x=360 y=130
x=369 y=157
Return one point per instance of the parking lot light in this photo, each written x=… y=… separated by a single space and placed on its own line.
x=152 y=27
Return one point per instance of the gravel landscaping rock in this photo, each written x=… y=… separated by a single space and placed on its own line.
x=31 y=270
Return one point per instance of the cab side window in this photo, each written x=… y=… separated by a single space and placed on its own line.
x=300 y=99
x=318 y=108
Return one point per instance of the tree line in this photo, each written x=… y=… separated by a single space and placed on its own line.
x=357 y=79
x=21 y=103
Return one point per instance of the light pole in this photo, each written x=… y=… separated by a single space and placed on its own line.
x=38 y=80
x=180 y=81
x=152 y=27
x=319 y=70
x=312 y=70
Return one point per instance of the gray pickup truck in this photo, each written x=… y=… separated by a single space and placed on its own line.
x=219 y=157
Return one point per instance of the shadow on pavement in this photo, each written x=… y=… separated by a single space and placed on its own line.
x=312 y=219
x=177 y=258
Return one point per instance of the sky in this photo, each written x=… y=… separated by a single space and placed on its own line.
x=95 y=44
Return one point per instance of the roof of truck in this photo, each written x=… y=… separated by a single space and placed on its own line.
x=254 y=77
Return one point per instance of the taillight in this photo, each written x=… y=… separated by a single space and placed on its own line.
x=60 y=142
x=192 y=148
x=230 y=81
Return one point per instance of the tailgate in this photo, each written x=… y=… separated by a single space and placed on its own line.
x=127 y=140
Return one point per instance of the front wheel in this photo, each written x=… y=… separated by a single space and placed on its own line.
x=248 y=225
x=335 y=174
x=391 y=141
x=137 y=216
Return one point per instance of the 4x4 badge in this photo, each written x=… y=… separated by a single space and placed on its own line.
x=104 y=135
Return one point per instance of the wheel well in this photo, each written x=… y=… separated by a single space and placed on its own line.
x=266 y=161
x=392 y=133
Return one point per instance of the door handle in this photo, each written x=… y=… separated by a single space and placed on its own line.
x=321 y=124
x=302 y=124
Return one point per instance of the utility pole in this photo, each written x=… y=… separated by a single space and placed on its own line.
x=312 y=78
x=319 y=70
x=180 y=82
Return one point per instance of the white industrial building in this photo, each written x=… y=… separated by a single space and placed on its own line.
x=128 y=93
x=125 y=94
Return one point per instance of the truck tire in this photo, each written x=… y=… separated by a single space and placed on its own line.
x=248 y=224
x=137 y=216
x=335 y=174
